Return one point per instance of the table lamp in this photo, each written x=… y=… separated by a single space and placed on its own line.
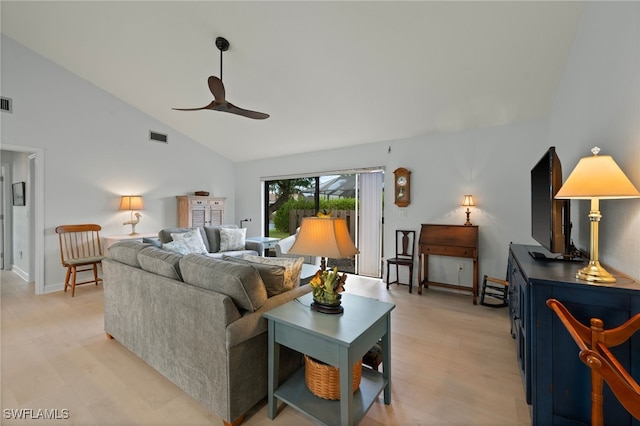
x=595 y=178
x=325 y=237
x=468 y=202
x=131 y=203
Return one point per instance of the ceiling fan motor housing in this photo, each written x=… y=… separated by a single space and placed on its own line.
x=222 y=44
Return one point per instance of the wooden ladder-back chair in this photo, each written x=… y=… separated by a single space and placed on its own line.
x=80 y=250
x=405 y=252
x=601 y=361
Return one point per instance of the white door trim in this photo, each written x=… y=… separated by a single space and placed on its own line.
x=38 y=191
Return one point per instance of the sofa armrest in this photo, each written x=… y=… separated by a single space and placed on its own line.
x=255 y=246
x=253 y=324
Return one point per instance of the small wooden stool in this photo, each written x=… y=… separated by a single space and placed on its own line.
x=496 y=289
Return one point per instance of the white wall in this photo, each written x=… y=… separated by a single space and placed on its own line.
x=598 y=103
x=95 y=149
x=493 y=164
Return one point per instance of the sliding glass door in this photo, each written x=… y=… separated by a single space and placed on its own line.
x=355 y=196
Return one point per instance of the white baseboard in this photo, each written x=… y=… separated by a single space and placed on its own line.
x=19 y=272
x=53 y=287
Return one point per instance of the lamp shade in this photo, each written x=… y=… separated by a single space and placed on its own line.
x=131 y=202
x=324 y=237
x=468 y=201
x=597 y=176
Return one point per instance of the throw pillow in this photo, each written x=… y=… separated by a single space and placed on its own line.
x=293 y=268
x=232 y=239
x=272 y=275
x=176 y=247
x=192 y=240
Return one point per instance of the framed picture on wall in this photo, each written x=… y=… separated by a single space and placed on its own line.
x=18 y=194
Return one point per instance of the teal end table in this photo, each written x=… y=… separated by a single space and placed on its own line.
x=339 y=340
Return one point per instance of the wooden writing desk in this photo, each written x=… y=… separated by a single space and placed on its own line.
x=447 y=240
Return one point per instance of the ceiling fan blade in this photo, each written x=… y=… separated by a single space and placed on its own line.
x=210 y=106
x=245 y=112
x=217 y=88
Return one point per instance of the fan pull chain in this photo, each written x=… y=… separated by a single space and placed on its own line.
x=220 y=65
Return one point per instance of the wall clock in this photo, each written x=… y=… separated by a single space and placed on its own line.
x=402 y=183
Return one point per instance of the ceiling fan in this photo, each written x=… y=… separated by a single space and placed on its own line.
x=216 y=87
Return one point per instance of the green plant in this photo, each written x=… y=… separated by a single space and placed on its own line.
x=281 y=217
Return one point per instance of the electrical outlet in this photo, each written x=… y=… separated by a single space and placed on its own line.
x=403 y=213
x=460 y=266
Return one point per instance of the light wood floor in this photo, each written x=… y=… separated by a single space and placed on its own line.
x=453 y=364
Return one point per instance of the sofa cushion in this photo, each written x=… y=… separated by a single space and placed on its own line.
x=192 y=240
x=272 y=275
x=165 y=235
x=293 y=268
x=232 y=238
x=160 y=262
x=212 y=235
x=241 y=283
x=127 y=252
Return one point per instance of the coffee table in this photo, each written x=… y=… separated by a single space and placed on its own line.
x=339 y=340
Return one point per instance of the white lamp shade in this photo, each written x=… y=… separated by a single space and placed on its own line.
x=324 y=237
x=597 y=176
x=468 y=201
x=131 y=202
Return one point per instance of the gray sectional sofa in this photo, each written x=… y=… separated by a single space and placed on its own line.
x=197 y=320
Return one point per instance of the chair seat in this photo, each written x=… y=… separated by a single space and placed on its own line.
x=84 y=261
x=400 y=261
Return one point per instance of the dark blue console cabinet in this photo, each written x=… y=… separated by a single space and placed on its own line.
x=557 y=384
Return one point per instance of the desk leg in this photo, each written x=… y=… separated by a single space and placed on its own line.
x=475 y=282
x=423 y=272
x=346 y=387
x=386 y=361
x=274 y=364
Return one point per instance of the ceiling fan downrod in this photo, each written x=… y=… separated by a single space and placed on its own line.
x=223 y=45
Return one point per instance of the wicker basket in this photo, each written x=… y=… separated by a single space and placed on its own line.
x=323 y=380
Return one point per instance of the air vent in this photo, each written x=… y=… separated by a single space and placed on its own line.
x=158 y=137
x=6 y=104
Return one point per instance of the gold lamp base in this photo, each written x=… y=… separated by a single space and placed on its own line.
x=595 y=273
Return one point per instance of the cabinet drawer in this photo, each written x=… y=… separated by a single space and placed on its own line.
x=449 y=251
x=196 y=202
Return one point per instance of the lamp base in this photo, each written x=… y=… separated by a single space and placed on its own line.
x=326 y=308
x=595 y=273
x=468 y=222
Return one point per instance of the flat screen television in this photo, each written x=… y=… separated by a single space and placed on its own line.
x=550 y=218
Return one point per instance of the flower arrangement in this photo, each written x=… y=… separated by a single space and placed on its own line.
x=327 y=286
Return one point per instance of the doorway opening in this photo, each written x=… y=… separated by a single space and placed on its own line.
x=33 y=230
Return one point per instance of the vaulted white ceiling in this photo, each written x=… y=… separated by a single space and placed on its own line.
x=329 y=73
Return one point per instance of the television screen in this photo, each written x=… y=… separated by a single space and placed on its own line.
x=550 y=223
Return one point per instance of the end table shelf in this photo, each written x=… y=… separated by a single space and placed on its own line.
x=294 y=392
